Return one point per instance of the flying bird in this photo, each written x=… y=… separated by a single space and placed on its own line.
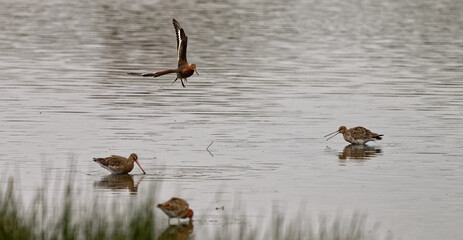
x=184 y=70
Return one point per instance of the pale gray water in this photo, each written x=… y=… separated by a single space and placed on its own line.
x=275 y=77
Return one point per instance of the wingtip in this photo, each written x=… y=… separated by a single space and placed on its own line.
x=134 y=74
x=175 y=22
x=148 y=75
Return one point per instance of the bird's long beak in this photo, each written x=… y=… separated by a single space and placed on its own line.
x=196 y=72
x=335 y=133
x=140 y=167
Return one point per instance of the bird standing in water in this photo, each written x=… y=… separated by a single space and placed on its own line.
x=176 y=208
x=184 y=70
x=119 y=165
x=356 y=135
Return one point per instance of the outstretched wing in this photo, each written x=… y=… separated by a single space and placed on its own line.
x=182 y=41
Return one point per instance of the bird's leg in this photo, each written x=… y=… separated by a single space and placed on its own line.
x=183 y=84
x=174 y=81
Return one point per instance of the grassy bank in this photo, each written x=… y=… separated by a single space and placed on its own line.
x=97 y=220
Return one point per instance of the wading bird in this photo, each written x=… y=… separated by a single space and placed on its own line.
x=176 y=208
x=184 y=70
x=356 y=135
x=119 y=165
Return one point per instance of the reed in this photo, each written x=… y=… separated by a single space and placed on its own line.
x=97 y=221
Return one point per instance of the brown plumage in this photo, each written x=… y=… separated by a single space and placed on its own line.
x=356 y=135
x=119 y=165
x=184 y=70
x=176 y=208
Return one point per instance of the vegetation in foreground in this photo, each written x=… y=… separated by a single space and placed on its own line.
x=97 y=221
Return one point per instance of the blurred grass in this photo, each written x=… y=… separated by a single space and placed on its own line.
x=97 y=221
x=302 y=228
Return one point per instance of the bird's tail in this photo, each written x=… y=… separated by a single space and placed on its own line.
x=160 y=73
x=378 y=137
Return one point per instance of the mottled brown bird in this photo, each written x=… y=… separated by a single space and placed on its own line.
x=184 y=70
x=119 y=165
x=356 y=135
x=176 y=208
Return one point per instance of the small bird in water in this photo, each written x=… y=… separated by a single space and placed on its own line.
x=176 y=208
x=119 y=165
x=356 y=135
x=184 y=70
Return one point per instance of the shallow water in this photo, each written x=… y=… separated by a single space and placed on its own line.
x=275 y=77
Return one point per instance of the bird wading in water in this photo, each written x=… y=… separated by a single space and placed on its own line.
x=356 y=135
x=119 y=165
x=176 y=208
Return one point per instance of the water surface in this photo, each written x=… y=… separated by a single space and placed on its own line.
x=275 y=77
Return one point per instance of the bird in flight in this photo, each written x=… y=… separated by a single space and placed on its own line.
x=184 y=70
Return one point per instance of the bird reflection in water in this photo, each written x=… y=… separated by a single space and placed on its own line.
x=177 y=232
x=358 y=152
x=118 y=182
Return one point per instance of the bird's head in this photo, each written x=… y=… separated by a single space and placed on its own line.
x=134 y=157
x=193 y=66
x=189 y=214
x=342 y=129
